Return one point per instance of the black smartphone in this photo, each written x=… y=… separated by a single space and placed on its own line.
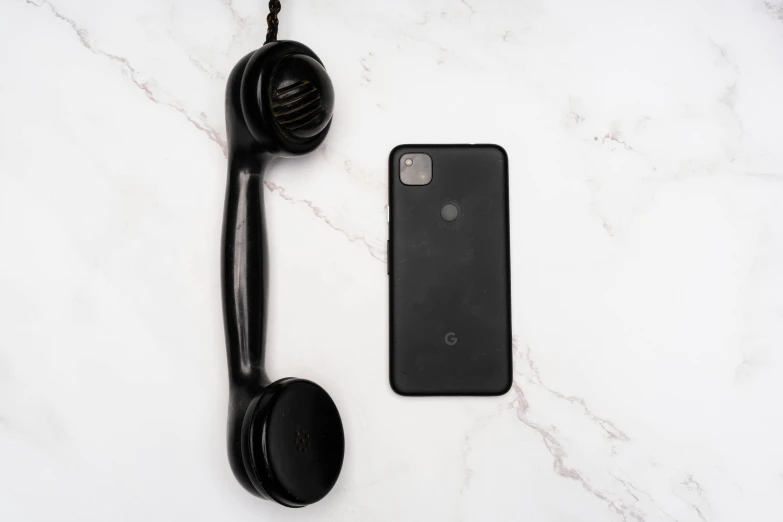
x=449 y=270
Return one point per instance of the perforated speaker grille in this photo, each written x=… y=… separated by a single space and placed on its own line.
x=298 y=106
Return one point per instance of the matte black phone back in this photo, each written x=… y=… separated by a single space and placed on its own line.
x=450 y=325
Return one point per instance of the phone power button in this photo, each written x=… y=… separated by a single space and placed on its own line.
x=388 y=257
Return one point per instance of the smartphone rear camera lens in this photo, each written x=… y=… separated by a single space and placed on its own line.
x=416 y=169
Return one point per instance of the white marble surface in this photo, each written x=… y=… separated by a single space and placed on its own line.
x=647 y=231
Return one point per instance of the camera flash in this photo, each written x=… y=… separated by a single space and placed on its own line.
x=409 y=162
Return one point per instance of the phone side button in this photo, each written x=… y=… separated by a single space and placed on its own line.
x=388 y=256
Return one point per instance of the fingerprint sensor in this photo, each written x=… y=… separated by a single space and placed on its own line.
x=449 y=212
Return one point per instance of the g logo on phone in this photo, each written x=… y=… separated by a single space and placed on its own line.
x=451 y=338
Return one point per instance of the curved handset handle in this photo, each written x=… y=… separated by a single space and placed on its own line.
x=244 y=271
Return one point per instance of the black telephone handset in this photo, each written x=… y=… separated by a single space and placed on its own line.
x=285 y=438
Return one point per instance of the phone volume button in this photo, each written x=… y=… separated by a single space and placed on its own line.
x=388 y=257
